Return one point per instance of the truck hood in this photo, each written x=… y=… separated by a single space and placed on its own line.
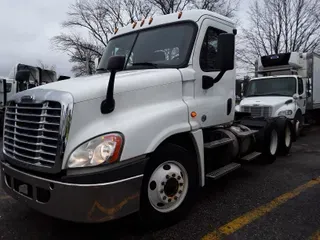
x=265 y=101
x=91 y=87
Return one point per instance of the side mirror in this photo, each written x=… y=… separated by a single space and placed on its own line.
x=116 y=63
x=225 y=54
x=23 y=76
x=295 y=96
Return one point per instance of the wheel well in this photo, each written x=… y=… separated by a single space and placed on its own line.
x=184 y=140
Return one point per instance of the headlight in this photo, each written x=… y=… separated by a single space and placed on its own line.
x=102 y=149
x=285 y=113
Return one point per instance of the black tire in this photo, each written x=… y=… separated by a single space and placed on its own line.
x=152 y=218
x=265 y=140
x=297 y=117
x=286 y=132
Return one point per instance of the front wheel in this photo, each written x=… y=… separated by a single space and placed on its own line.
x=169 y=186
x=286 y=132
x=297 y=124
x=269 y=143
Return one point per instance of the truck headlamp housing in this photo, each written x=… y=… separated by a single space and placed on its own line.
x=285 y=113
x=102 y=149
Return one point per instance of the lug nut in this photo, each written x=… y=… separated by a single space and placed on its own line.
x=162 y=183
x=161 y=191
x=169 y=200
x=164 y=198
x=176 y=198
x=180 y=191
x=173 y=175
x=181 y=184
x=167 y=176
x=179 y=177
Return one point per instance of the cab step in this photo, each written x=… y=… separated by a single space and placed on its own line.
x=218 y=143
x=251 y=156
x=223 y=171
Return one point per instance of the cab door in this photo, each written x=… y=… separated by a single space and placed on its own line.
x=215 y=104
x=302 y=99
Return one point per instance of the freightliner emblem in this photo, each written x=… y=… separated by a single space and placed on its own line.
x=28 y=98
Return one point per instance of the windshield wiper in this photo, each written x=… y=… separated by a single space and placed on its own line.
x=101 y=70
x=145 y=64
x=266 y=94
x=274 y=94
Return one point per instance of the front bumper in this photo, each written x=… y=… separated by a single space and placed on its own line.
x=75 y=202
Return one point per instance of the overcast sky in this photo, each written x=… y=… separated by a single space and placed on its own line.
x=26 y=27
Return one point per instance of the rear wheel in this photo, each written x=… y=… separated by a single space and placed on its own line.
x=169 y=186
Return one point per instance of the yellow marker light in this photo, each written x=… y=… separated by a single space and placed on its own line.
x=179 y=15
x=193 y=114
x=150 y=21
x=116 y=30
x=134 y=24
x=142 y=22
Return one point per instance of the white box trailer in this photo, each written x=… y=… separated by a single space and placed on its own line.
x=313 y=74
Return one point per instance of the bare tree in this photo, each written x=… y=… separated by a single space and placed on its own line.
x=99 y=19
x=280 y=26
x=224 y=7
x=45 y=66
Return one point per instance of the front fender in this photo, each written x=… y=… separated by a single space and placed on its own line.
x=287 y=107
x=144 y=124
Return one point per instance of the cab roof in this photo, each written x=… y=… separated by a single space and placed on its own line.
x=191 y=15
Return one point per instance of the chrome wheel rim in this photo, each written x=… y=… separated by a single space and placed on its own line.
x=168 y=186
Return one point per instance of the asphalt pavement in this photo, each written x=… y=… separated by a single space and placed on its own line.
x=278 y=201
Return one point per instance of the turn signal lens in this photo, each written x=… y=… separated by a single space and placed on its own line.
x=193 y=114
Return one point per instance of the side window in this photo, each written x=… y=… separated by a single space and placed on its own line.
x=300 y=86
x=209 y=50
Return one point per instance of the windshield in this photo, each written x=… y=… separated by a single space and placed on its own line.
x=284 y=86
x=160 y=47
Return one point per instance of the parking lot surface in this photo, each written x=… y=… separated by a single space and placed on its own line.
x=278 y=201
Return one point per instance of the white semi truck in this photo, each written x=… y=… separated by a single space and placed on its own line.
x=286 y=84
x=143 y=134
x=34 y=76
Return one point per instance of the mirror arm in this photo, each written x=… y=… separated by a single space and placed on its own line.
x=108 y=105
x=219 y=76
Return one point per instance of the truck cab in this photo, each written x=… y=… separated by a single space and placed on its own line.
x=280 y=88
x=152 y=126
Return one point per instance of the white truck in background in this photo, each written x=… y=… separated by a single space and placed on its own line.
x=35 y=76
x=286 y=84
x=155 y=124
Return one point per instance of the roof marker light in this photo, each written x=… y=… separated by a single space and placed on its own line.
x=116 y=30
x=179 y=15
x=142 y=22
x=134 y=24
x=150 y=21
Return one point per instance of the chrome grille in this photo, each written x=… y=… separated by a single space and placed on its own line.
x=31 y=132
x=263 y=111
